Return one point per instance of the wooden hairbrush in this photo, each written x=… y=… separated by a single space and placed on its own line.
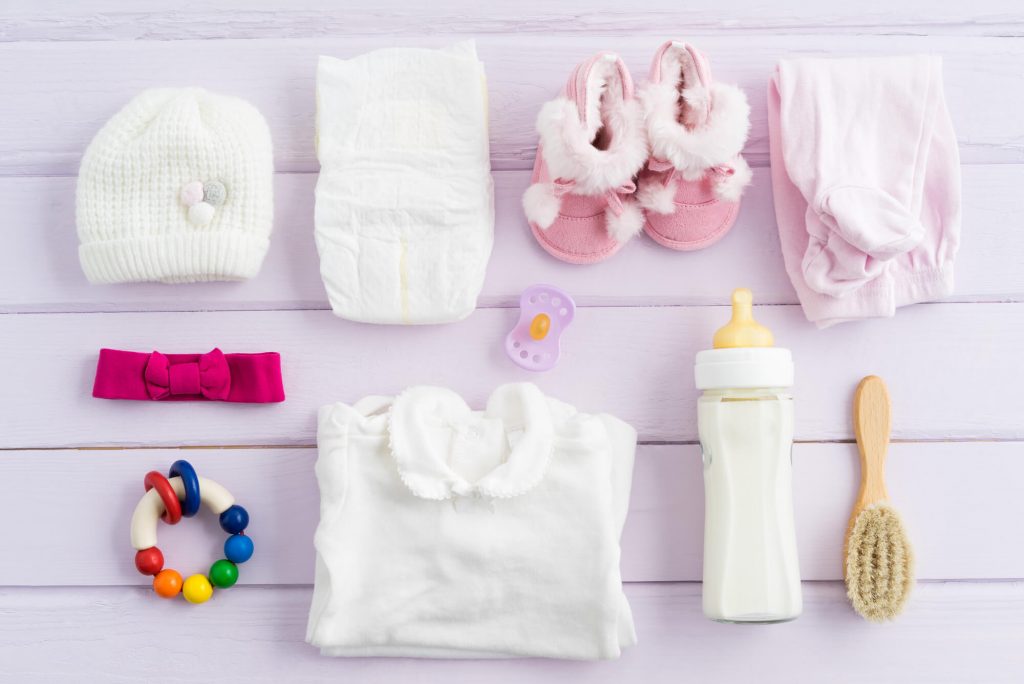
x=879 y=567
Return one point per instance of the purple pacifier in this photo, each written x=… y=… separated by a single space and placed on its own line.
x=544 y=312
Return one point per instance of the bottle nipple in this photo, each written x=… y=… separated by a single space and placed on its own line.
x=742 y=330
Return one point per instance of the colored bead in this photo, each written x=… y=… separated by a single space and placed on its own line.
x=172 y=507
x=201 y=214
x=234 y=520
x=197 y=589
x=238 y=548
x=214 y=193
x=192 y=193
x=167 y=583
x=190 y=480
x=223 y=574
x=149 y=561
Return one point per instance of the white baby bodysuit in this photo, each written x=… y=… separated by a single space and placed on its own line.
x=448 y=532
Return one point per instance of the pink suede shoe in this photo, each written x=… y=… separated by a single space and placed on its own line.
x=580 y=204
x=692 y=183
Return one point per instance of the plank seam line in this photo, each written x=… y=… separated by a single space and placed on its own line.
x=1010 y=581
x=485 y=306
x=915 y=29
x=241 y=447
x=756 y=160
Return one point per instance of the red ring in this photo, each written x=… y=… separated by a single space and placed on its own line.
x=172 y=506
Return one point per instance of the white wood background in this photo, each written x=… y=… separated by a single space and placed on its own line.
x=72 y=607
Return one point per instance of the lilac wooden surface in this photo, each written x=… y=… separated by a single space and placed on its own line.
x=54 y=20
x=39 y=267
x=954 y=632
x=662 y=540
x=66 y=67
x=945 y=365
x=52 y=102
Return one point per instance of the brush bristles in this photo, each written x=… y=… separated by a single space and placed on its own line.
x=879 y=564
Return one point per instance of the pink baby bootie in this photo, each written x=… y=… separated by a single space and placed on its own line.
x=581 y=204
x=692 y=183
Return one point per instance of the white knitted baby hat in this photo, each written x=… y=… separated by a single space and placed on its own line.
x=176 y=188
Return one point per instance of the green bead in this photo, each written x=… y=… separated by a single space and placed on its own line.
x=223 y=573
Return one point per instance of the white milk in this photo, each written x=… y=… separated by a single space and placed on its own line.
x=751 y=571
x=745 y=422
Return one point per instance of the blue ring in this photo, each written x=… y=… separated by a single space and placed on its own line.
x=190 y=480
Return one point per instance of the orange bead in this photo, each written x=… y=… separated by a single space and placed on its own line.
x=167 y=583
x=539 y=326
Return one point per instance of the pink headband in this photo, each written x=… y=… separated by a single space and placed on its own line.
x=216 y=376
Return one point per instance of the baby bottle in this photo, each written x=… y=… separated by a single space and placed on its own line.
x=745 y=422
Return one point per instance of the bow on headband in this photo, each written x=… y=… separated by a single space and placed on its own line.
x=209 y=377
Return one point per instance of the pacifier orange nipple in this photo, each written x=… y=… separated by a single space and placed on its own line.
x=742 y=330
x=539 y=326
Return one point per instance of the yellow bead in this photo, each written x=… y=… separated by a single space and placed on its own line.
x=197 y=589
x=539 y=326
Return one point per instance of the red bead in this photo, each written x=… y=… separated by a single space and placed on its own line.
x=172 y=506
x=149 y=561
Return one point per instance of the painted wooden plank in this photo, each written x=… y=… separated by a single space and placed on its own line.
x=39 y=268
x=52 y=103
x=951 y=632
x=165 y=20
x=662 y=541
x=945 y=363
x=635 y=362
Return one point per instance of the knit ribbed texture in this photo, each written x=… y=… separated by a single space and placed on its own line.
x=134 y=224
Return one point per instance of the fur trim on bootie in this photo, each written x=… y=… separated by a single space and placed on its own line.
x=730 y=186
x=570 y=153
x=541 y=204
x=626 y=224
x=715 y=142
x=656 y=196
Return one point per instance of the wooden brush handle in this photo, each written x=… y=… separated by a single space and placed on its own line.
x=872 y=423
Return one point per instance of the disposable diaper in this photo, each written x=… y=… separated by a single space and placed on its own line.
x=405 y=200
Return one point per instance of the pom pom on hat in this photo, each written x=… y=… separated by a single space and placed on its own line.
x=201 y=214
x=192 y=193
x=214 y=193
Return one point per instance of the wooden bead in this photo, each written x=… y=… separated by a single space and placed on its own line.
x=223 y=574
x=197 y=589
x=234 y=520
x=167 y=583
x=149 y=561
x=238 y=548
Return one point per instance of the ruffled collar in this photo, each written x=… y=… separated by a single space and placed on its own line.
x=419 y=414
